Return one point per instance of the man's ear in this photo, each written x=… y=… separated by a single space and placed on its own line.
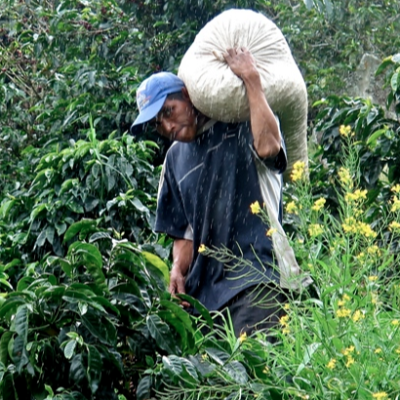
x=185 y=94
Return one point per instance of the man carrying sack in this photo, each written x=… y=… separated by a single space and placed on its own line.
x=210 y=177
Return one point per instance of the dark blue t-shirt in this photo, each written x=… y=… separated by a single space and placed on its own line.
x=205 y=195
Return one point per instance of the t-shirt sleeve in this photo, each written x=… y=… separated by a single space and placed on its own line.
x=279 y=162
x=170 y=215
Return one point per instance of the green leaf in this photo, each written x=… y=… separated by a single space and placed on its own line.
x=199 y=307
x=90 y=257
x=143 y=390
x=4 y=341
x=36 y=211
x=385 y=63
x=18 y=353
x=237 y=372
x=394 y=81
x=158 y=263
x=308 y=353
x=375 y=136
x=219 y=356
x=173 y=364
x=94 y=371
x=10 y=305
x=100 y=327
x=85 y=225
x=69 y=349
x=161 y=333
x=21 y=322
x=77 y=371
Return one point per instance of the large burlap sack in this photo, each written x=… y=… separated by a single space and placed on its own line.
x=218 y=93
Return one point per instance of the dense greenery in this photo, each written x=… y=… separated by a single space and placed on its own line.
x=84 y=311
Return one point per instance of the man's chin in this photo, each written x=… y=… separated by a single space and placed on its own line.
x=184 y=136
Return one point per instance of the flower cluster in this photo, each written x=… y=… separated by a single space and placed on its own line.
x=380 y=396
x=394 y=226
x=342 y=311
x=345 y=131
x=202 y=248
x=345 y=178
x=351 y=225
x=284 y=321
x=298 y=171
x=395 y=204
x=271 y=231
x=348 y=354
x=255 y=207
x=319 y=204
x=292 y=208
x=315 y=230
x=331 y=364
x=356 y=196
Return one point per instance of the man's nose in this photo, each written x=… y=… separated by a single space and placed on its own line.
x=168 y=126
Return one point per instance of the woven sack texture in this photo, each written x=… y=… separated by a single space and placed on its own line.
x=218 y=93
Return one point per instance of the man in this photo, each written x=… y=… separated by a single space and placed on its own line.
x=210 y=178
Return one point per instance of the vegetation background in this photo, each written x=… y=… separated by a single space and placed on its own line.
x=84 y=311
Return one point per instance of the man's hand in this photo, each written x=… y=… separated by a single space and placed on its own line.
x=241 y=62
x=182 y=253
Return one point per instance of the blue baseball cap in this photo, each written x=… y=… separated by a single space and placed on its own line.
x=151 y=96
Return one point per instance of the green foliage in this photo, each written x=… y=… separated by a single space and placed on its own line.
x=89 y=190
x=339 y=339
x=90 y=323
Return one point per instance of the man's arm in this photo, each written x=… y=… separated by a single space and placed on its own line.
x=266 y=135
x=182 y=254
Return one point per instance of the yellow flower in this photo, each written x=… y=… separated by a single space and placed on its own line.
x=297 y=171
x=347 y=351
x=286 y=330
x=356 y=196
x=341 y=303
x=357 y=316
x=286 y=306
x=331 y=364
x=372 y=278
x=394 y=226
x=271 y=231
x=202 y=248
x=395 y=204
x=243 y=337
x=374 y=298
x=291 y=208
x=361 y=257
x=380 y=395
x=395 y=322
x=266 y=370
x=315 y=230
x=204 y=357
x=351 y=225
x=319 y=204
x=374 y=250
x=284 y=320
x=255 y=207
x=350 y=361
x=397 y=351
x=345 y=130
x=345 y=178
x=346 y=297
x=395 y=188
x=343 y=312
x=378 y=350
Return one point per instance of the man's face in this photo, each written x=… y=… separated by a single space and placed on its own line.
x=177 y=119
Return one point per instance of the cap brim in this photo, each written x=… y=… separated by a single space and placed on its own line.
x=146 y=115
